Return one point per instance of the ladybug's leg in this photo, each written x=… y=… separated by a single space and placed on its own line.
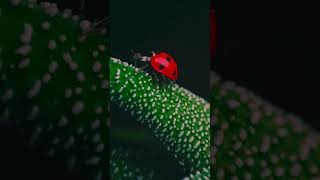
x=145 y=66
x=164 y=80
x=154 y=74
x=157 y=78
x=160 y=79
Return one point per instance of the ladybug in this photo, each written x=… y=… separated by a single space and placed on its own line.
x=162 y=62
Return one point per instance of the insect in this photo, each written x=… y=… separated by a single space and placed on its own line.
x=161 y=63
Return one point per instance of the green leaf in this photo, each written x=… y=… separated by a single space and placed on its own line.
x=178 y=118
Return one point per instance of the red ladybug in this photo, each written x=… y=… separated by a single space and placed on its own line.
x=164 y=64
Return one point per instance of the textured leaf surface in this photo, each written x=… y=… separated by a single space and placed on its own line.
x=178 y=118
x=54 y=83
x=253 y=139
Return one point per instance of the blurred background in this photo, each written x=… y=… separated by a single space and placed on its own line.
x=267 y=47
x=16 y=156
x=270 y=48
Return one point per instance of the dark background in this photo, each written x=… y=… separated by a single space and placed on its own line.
x=89 y=9
x=270 y=48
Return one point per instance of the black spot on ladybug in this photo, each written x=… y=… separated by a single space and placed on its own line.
x=174 y=73
x=168 y=59
x=161 y=66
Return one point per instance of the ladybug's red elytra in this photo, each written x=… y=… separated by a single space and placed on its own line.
x=164 y=64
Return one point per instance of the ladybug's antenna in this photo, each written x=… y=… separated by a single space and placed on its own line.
x=155 y=75
x=136 y=55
